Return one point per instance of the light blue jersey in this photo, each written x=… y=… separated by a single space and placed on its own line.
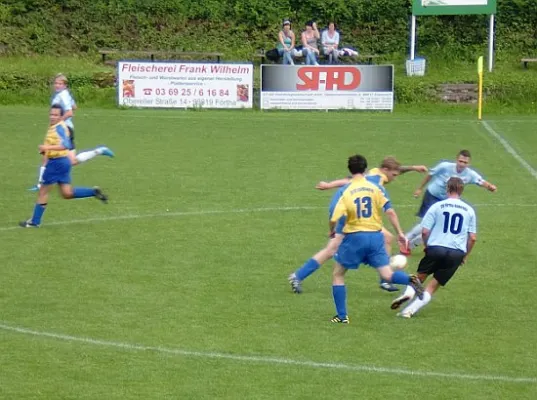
x=65 y=100
x=450 y=221
x=441 y=173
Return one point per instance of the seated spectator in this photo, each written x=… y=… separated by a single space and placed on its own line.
x=286 y=43
x=330 y=42
x=310 y=49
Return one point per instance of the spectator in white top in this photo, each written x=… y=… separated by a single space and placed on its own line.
x=330 y=42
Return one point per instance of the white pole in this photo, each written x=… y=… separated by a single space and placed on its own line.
x=413 y=37
x=491 y=42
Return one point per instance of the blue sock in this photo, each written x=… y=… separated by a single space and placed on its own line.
x=340 y=299
x=307 y=269
x=82 y=192
x=39 y=210
x=400 y=278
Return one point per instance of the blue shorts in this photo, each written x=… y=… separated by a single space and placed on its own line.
x=426 y=203
x=362 y=248
x=57 y=170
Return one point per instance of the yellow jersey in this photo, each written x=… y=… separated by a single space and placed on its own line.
x=363 y=202
x=58 y=134
x=375 y=175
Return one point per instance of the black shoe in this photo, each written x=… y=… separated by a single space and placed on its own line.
x=296 y=286
x=396 y=303
x=100 y=195
x=418 y=287
x=338 y=320
x=27 y=224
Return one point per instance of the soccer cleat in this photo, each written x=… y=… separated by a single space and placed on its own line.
x=98 y=193
x=396 y=303
x=27 y=224
x=105 y=151
x=296 y=286
x=337 y=320
x=405 y=314
x=418 y=287
x=389 y=287
x=34 y=188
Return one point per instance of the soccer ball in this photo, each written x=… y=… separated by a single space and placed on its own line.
x=398 y=261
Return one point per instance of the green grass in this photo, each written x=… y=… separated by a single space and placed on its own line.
x=193 y=251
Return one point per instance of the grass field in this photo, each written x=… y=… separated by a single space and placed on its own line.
x=177 y=289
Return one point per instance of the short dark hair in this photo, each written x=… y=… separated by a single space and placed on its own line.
x=455 y=185
x=310 y=23
x=464 y=153
x=57 y=107
x=357 y=164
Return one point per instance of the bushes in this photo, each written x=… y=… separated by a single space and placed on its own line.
x=237 y=26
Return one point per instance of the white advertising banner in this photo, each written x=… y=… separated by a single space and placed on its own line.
x=325 y=87
x=184 y=85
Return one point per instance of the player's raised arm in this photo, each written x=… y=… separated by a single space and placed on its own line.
x=489 y=186
x=413 y=168
x=332 y=184
x=424 y=183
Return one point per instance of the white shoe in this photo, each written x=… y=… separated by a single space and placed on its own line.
x=405 y=314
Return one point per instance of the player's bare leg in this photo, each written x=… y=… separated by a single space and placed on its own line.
x=388 y=241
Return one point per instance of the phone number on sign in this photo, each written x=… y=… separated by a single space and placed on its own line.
x=189 y=92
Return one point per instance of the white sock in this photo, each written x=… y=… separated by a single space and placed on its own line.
x=88 y=155
x=410 y=292
x=415 y=231
x=417 y=241
x=41 y=172
x=417 y=304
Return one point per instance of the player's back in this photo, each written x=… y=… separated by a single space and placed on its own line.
x=65 y=100
x=363 y=203
x=375 y=175
x=450 y=221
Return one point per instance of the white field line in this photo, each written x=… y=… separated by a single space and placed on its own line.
x=509 y=149
x=172 y=214
x=270 y=360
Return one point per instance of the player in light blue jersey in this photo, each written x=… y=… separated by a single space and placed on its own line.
x=63 y=98
x=436 y=189
x=449 y=231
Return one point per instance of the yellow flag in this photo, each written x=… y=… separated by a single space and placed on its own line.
x=480 y=65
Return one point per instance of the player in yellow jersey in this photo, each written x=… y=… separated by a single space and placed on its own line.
x=56 y=148
x=388 y=170
x=362 y=203
x=62 y=97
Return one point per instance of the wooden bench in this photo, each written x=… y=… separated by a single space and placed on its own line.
x=152 y=53
x=525 y=61
x=369 y=58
